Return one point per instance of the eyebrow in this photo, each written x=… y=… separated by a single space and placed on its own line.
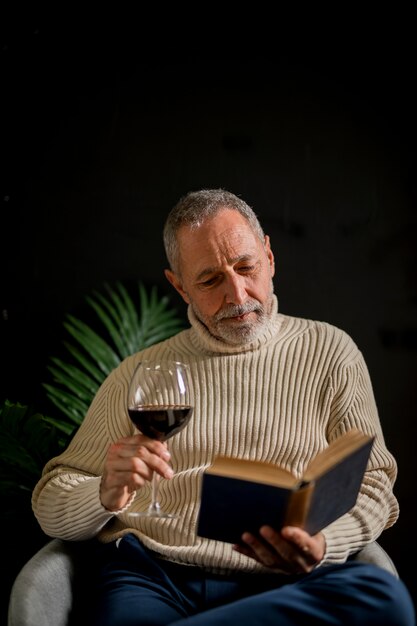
x=213 y=270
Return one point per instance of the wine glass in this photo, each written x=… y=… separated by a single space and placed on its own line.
x=159 y=404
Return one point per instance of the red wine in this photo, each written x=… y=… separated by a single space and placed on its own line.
x=160 y=422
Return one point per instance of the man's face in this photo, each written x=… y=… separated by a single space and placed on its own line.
x=226 y=276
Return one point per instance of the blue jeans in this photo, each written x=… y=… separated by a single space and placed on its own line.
x=137 y=589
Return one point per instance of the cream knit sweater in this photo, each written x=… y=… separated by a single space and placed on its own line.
x=280 y=399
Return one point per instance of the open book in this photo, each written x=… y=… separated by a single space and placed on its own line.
x=239 y=495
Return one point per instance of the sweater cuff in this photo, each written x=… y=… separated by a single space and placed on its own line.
x=126 y=506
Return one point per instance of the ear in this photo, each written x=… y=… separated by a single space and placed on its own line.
x=176 y=283
x=269 y=254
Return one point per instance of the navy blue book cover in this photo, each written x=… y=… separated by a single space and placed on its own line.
x=230 y=506
x=336 y=491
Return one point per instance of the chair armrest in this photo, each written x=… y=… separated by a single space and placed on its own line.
x=375 y=553
x=42 y=590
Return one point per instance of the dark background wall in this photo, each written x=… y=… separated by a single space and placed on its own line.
x=105 y=126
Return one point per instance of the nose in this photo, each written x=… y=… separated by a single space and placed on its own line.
x=235 y=289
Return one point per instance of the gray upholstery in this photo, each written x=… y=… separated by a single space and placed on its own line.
x=42 y=594
x=374 y=553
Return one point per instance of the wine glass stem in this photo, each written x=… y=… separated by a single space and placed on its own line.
x=155 y=506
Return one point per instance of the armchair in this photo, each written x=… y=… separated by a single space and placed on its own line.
x=43 y=591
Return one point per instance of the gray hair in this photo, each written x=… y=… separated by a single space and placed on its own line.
x=196 y=207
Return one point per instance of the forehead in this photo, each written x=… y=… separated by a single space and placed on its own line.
x=222 y=239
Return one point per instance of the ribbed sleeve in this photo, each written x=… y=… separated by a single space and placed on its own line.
x=281 y=399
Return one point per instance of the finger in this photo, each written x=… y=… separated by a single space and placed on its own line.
x=307 y=550
x=134 y=465
x=132 y=472
x=261 y=551
x=143 y=462
x=146 y=449
x=302 y=541
x=142 y=451
x=153 y=463
x=283 y=552
x=291 y=562
x=130 y=444
x=243 y=548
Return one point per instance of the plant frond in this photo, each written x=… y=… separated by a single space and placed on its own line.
x=111 y=319
x=105 y=357
x=86 y=363
x=123 y=328
x=26 y=442
x=74 y=379
x=72 y=406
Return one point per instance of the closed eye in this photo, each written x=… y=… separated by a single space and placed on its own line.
x=210 y=281
x=246 y=269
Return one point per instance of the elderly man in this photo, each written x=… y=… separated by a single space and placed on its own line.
x=267 y=386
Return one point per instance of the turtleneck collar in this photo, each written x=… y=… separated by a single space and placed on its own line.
x=204 y=341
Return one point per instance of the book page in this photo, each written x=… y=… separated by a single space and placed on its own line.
x=256 y=471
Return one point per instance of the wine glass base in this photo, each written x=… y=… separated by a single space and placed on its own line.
x=161 y=514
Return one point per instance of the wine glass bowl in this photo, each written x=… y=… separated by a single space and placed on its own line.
x=159 y=404
x=160 y=422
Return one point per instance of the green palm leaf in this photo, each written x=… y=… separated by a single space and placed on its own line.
x=26 y=440
x=73 y=378
x=69 y=404
x=84 y=360
x=120 y=318
x=123 y=327
x=105 y=357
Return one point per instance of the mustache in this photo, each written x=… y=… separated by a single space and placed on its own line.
x=234 y=310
